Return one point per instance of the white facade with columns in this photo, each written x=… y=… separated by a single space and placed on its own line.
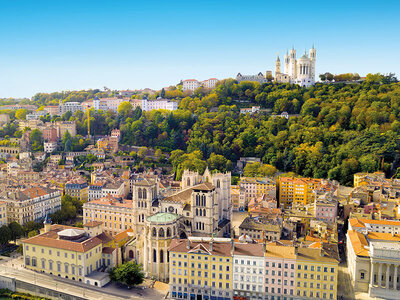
x=385 y=263
x=373 y=259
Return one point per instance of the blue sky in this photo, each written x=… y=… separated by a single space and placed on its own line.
x=48 y=46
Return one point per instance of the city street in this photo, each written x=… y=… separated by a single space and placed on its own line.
x=12 y=267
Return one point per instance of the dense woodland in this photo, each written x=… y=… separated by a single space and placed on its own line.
x=333 y=131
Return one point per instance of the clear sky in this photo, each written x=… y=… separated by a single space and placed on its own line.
x=48 y=46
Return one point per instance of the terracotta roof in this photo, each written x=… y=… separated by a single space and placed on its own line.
x=105 y=238
x=92 y=224
x=383 y=236
x=358 y=242
x=122 y=235
x=278 y=251
x=221 y=249
x=356 y=223
x=361 y=222
x=83 y=247
x=110 y=200
x=248 y=249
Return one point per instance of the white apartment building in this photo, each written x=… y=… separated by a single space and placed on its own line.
x=248 y=270
x=115 y=188
x=210 y=83
x=192 y=84
x=32 y=204
x=159 y=103
x=50 y=147
x=69 y=106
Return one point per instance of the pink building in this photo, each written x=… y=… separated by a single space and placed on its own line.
x=280 y=270
x=50 y=134
x=326 y=208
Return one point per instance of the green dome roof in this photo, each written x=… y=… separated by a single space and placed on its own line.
x=163 y=217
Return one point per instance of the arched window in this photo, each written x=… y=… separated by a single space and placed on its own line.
x=144 y=194
x=188 y=182
x=154 y=255
x=197 y=199
x=161 y=233
x=168 y=232
x=130 y=254
x=197 y=212
x=203 y=200
x=140 y=193
x=154 y=232
x=218 y=184
x=204 y=212
x=200 y=212
x=161 y=256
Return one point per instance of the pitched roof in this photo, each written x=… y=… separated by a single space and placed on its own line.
x=221 y=249
x=358 y=242
x=83 y=247
x=279 y=251
x=248 y=249
x=383 y=236
x=124 y=234
x=92 y=224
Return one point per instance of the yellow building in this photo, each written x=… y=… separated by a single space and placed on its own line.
x=71 y=252
x=115 y=213
x=317 y=270
x=294 y=191
x=365 y=178
x=201 y=268
x=77 y=188
x=3 y=213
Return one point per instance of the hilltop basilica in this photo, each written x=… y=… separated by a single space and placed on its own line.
x=298 y=71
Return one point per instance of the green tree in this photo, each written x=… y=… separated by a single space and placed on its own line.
x=5 y=235
x=124 y=109
x=129 y=274
x=162 y=94
x=21 y=113
x=16 y=230
x=36 y=140
x=32 y=233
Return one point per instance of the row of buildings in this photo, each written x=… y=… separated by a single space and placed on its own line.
x=218 y=268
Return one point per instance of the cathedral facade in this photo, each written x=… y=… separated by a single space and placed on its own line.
x=202 y=208
x=297 y=71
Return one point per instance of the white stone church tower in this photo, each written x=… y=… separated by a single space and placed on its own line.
x=297 y=71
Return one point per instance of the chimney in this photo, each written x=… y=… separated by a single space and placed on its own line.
x=233 y=245
x=211 y=245
x=188 y=244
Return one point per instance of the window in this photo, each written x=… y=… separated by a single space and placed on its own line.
x=362 y=275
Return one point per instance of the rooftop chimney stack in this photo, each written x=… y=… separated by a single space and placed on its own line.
x=188 y=244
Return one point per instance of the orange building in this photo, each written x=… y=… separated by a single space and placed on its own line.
x=294 y=191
